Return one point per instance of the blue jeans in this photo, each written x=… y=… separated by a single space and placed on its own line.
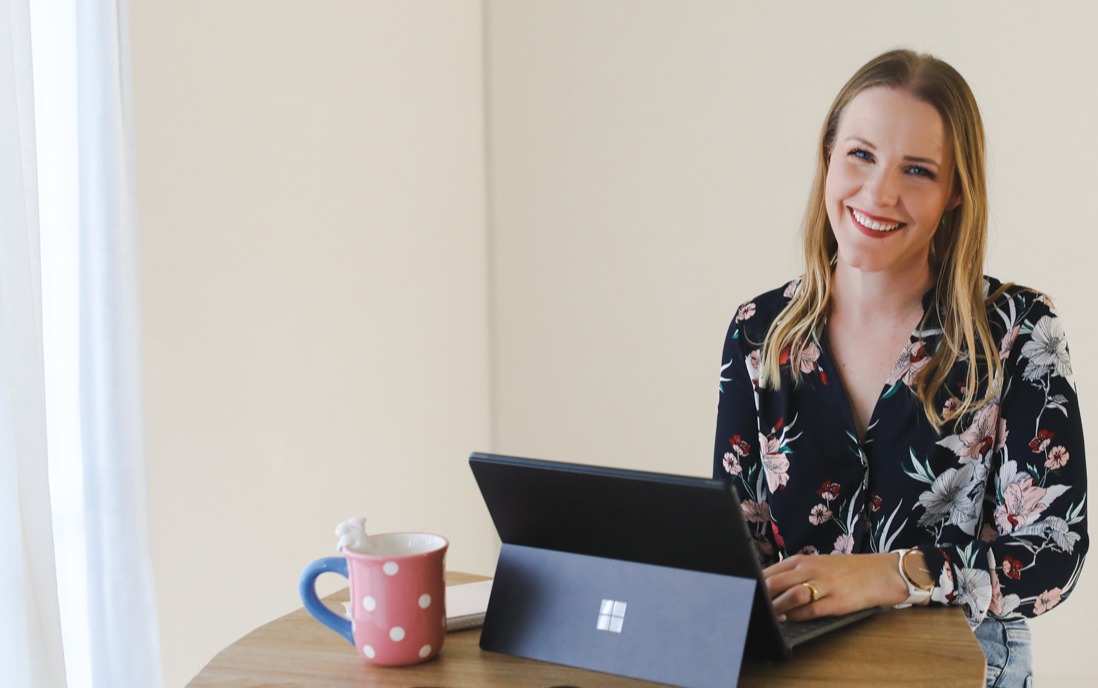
x=1006 y=645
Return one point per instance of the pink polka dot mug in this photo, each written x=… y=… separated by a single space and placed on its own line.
x=398 y=603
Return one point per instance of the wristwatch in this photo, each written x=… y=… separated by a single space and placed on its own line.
x=916 y=594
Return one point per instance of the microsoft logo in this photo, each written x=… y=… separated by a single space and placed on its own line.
x=611 y=616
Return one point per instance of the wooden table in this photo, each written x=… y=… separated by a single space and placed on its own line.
x=912 y=647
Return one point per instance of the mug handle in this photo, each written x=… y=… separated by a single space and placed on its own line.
x=307 y=588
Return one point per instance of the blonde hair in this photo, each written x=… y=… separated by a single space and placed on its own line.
x=956 y=252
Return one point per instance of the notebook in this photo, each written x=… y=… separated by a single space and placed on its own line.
x=672 y=554
x=466 y=604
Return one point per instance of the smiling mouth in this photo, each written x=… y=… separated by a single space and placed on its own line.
x=873 y=225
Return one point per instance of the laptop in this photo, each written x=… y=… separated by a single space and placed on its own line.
x=635 y=573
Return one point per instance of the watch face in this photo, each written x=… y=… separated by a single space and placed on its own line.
x=912 y=586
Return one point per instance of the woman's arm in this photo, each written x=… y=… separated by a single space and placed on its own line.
x=736 y=455
x=1028 y=556
x=842 y=583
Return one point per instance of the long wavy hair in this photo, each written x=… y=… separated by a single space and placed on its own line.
x=956 y=251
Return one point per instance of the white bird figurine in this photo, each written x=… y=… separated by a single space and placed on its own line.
x=352 y=534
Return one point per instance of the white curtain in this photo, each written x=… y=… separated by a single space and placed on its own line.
x=30 y=632
x=76 y=598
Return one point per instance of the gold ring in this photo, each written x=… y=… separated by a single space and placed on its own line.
x=812 y=589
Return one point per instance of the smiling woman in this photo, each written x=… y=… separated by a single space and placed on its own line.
x=911 y=412
x=885 y=200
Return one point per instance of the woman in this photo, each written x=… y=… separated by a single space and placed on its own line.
x=895 y=406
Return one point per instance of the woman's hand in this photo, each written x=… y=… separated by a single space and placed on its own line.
x=844 y=583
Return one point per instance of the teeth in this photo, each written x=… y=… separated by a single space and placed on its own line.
x=870 y=224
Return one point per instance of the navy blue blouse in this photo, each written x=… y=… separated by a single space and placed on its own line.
x=997 y=503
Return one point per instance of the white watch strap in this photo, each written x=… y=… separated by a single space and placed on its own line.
x=915 y=594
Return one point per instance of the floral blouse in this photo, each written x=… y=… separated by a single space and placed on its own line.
x=997 y=504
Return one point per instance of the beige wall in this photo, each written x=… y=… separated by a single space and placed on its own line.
x=312 y=209
x=344 y=295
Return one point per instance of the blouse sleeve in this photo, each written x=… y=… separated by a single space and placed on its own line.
x=736 y=456
x=1030 y=551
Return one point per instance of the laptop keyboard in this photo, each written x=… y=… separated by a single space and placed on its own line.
x=796 y=632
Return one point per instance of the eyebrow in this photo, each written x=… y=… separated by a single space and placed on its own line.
x=909 y=158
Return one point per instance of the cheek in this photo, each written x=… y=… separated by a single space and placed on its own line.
x=830 y=187
x=839 y=183
x=930 y=208
x=836 y=190
x=834 y=208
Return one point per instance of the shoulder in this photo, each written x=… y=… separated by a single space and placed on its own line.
x=1011 y=304
x=754 y=317
x=1027 y=326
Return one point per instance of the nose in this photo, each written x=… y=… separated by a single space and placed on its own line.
x=883 y=187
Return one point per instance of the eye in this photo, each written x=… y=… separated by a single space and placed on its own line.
x=861 y=154
x=920 y=171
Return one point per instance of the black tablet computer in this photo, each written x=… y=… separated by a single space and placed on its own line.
x=639 y=539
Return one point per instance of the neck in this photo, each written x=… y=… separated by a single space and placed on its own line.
x=873 y=296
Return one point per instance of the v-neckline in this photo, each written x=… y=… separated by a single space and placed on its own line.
x=847 y=408
x=925 y=324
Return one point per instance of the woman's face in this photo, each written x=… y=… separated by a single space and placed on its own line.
x=888 y=182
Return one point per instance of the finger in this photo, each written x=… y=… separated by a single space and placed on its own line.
x=793 y=598
x=786 y=564
x=822 y=607
x=798 y=606
x=782 y=581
